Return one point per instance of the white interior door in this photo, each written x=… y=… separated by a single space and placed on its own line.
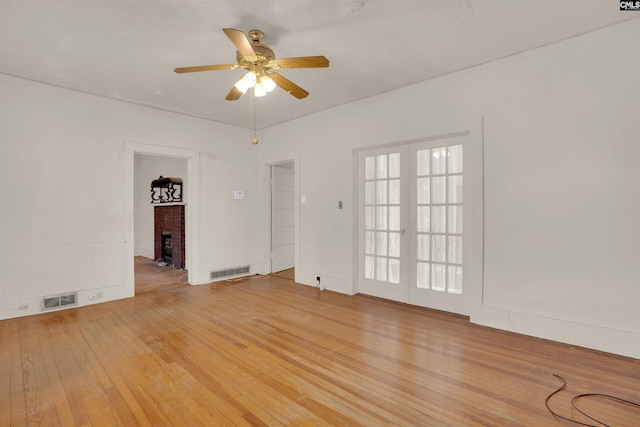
x=282 y=217
x=411 y=223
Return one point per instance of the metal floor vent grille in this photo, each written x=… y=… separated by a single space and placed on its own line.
x=49 y=303
x=230 y=272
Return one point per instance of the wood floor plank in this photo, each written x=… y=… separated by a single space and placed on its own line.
x=17 y=382
x=364 y=391
x=366 y=385
x=63 y=409
x=40 y=402
x=218 y=397
x=152 y=382
x=382 y=370
x=264 y=351
x=114 y=355
x=5 y=372
x=242 y=376
x=85 y=394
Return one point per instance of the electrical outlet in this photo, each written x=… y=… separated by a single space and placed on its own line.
x=318 y=279
x=95 y=296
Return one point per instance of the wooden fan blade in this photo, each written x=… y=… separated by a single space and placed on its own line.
x=206 y=68
x=240 y=41
x=234 y=94
x=288 y=85
x=301 y=62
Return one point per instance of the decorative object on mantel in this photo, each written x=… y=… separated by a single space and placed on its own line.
x=166 y=190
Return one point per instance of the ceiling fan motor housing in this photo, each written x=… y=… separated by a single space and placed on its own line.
x=264 y=54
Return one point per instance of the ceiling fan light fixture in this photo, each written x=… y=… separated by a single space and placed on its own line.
x=259 y=90
x=267 y=83
x=247 y=81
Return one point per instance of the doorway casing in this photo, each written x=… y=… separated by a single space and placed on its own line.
x=267 y=209
x=192 y=209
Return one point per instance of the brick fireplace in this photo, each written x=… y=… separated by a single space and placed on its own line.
x=169 y=234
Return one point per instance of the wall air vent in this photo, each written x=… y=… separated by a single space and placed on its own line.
x=228 y=272
x=50 y=303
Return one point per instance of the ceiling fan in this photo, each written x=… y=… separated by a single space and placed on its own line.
x=259 y=60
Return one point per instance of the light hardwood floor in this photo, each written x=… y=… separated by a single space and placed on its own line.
x=266 y=351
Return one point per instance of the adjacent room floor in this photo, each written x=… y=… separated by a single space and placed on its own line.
x=286 y=274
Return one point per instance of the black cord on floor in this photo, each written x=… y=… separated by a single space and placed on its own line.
x=576 y=398
x=614 y=398
x=555 y=414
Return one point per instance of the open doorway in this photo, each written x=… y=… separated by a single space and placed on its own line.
x=159 y=222
x=283 y=220
x=134 y=154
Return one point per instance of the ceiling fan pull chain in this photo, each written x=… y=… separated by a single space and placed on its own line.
x=254 y=140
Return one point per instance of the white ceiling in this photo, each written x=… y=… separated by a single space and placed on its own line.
x=127 y=50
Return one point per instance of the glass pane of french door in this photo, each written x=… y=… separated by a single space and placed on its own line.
x=439 y=206
x=381 y=223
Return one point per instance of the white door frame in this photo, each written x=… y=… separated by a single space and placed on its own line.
x=267 y=210
x=192 y=209
x=277 y=170
x=474 y=254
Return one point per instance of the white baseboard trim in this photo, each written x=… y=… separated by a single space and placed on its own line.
x=29 y=306
x=331 y=283
x=610 y=340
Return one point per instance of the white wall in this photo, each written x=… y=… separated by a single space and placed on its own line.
x=231 y=229
x=561 y=183
x=146 y=169
x=63 y=161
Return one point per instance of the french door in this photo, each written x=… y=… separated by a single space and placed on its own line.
x=382 y=223
x=411 y=217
